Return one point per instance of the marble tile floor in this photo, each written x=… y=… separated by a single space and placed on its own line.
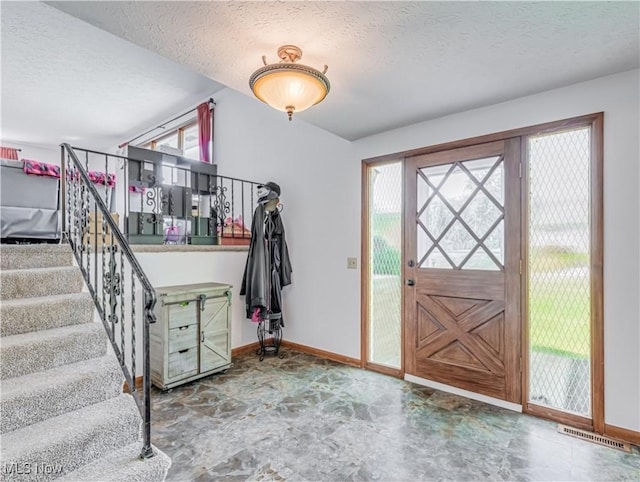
x=304 y=418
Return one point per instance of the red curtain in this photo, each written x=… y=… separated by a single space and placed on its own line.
x=9 y=153
x=204 y=131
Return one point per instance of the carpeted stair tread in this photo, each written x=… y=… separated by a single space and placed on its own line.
x=24 y=315
x=24 y=256
x=38 y=396
x=63 y=413
x=42 y=350
x=73 y=439
x=36 y=282
x=123 y=464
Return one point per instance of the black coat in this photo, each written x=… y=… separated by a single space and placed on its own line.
x=268 y=267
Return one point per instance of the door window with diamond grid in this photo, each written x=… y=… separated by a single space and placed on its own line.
x=461 y=215
x=559 y=276
x=385 y=264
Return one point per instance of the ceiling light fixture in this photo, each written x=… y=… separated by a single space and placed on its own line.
x=288 y=86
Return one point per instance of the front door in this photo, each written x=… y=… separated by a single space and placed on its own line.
x=462 y=268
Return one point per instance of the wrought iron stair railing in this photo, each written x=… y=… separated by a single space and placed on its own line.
x=168 y=199
x=123 y=295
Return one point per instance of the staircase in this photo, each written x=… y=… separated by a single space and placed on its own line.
x=63 y=413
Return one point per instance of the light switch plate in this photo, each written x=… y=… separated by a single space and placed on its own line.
x=352 y=263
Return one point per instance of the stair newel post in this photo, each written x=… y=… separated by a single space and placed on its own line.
x=149 y=317
x=63 y=194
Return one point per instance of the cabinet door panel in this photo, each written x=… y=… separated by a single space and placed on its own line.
x=214 y=352
x=214 y=340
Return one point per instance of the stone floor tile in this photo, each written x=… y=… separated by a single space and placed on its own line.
x=304 y=418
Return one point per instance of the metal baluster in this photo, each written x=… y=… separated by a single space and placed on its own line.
x=112 y=286
x=69 y=207
x=79 y=215
x=126 y=194
x=143 y=190
x=133 y=329
x=95 y=244
x=198 y=213
x=122 y=303
x=233 y=199
x=104 y=266
x=171 y=202
x=75 y=212
x=88 y=235
x=242 y=207
x=213 y=224
x=147 y=451
x=106 y=184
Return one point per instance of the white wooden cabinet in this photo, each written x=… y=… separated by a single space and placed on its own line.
x=192 y=335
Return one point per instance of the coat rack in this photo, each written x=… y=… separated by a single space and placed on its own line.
x=267 y=271
x=269 y=326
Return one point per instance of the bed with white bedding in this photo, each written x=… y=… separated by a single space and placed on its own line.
x=28 y=203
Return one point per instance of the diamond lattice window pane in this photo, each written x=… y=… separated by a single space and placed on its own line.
x=480 y=167
x=436 y=217
x=424 y=243
x=435 y=174
x=423 y=191
x=559 y=272
x=480 y=214
x=385 y=248
x=495 y=242
x=436 y=259
x=480 y=260
x=495 y=184
x=457 y=188
x=457 y=243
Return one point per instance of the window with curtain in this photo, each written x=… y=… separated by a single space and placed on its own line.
x=193 y=138
x=184 y=138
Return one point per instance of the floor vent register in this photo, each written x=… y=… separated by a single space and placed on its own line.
x=594 y=437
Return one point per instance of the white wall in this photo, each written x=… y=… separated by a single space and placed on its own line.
x=320 y=192
x=618 y=97
x=177 y=268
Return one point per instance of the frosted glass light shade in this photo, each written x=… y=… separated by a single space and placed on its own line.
x=287 y=86
x=281 y=89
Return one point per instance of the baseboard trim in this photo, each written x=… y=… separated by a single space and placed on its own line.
x=241 y=350
x=463 y=393
x=345 y=360
x=622 y=434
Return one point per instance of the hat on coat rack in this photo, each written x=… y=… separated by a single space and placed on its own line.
x=268 y=191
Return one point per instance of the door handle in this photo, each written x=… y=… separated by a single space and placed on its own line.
x=410 y=282
x=411 y=263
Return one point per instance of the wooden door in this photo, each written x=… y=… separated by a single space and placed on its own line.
x=462 y=268
x=214 y=337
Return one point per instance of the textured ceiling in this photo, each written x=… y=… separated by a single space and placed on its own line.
x=64 y=80
x=390 y=63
